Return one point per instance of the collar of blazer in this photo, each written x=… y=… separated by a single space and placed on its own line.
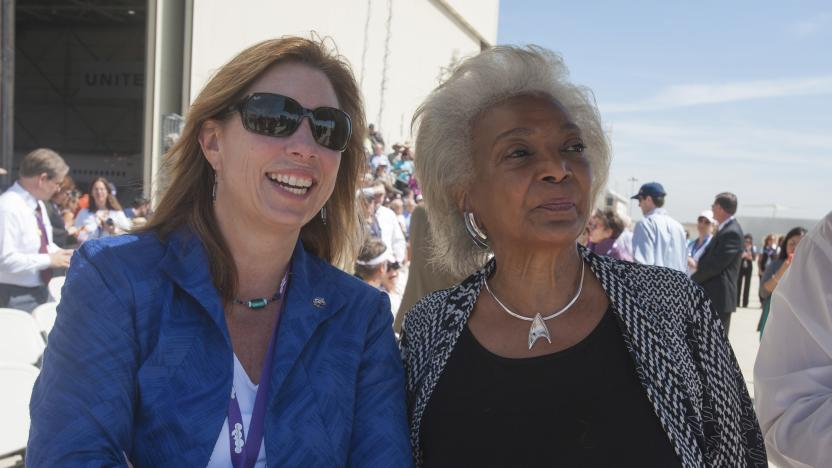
x=648 y=320
x=310 y=297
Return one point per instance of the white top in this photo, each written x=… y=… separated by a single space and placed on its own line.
x=20 y=262
x=88 y=223
x=625 y=241
x=246 y=392
x=391 y=232
x=660 y=240
x=793 y=372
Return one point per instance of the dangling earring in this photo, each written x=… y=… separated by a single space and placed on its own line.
x=474 y=231
x=323 y=215
x=214 y=189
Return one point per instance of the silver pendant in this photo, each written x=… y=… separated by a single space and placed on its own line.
x=538 y=330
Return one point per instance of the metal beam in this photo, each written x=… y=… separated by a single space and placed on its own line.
x=460 y=20
x=7 y=88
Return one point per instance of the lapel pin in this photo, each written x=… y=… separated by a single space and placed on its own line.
x=319 y=302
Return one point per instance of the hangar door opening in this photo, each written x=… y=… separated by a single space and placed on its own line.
x=79 y=86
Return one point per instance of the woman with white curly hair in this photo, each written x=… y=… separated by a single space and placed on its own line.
x=547 y=354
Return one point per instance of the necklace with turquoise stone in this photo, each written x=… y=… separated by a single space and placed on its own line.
x=261 y=302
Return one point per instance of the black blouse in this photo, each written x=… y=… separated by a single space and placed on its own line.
x=580 y=407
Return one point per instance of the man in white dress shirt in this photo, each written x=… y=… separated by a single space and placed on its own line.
x=387 y=225
x=658 y=239
x=27 y=252
x=793 y=372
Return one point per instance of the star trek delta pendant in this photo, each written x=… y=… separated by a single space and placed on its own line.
x=538 y=330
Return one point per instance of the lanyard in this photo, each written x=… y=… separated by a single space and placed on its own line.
x=244 y=455
x=694 y=248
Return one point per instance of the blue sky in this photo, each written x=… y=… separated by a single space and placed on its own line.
x=702 y=96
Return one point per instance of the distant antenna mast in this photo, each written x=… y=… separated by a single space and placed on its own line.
x=386 y=63
x=366 y=43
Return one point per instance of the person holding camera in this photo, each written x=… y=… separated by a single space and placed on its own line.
x=105 y=217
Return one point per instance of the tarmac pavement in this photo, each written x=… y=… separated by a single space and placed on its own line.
x=743 y=334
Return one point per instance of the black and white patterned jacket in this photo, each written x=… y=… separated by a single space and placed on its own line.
x=684 y=363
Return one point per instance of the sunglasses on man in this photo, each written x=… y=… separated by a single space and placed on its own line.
x=280 y=116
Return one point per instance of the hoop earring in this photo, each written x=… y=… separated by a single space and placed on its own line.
x=323 y=215
x=474 y=231
x=214 y=189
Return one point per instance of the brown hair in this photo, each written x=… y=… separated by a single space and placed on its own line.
x=611 y=220
x=371 y=249
x=188 y=202
x=112 y=202
x=68 y=184
x=728 y=202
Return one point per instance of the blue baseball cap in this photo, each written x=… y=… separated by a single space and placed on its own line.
x=653 y=189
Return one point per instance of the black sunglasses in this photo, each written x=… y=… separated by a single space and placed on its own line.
x=280 y=116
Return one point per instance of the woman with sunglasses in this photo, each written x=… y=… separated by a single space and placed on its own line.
x=605 y=227
x=705 y=224
x=222 y=334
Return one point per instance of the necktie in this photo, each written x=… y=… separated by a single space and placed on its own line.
x=45 y=274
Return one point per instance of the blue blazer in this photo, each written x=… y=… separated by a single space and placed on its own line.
x=139 y=364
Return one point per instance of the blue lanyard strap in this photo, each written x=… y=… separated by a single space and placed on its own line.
x=244 y=450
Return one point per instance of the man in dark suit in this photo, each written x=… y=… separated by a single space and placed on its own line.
x=719 y=266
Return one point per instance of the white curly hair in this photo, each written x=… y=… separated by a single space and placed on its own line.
x=443 y=123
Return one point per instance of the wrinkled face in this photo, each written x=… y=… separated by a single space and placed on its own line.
x=532 y=182
x=269 y=180
x=99 y=195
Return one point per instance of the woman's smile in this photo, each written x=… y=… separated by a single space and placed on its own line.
x=292 y=183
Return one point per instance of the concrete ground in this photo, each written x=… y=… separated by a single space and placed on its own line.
x=744 y=337
x=743 y=334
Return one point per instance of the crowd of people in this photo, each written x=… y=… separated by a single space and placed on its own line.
x=306 y=297
x=658 y=239
x=44 y=217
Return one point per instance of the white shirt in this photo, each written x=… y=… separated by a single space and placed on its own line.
x=660 y=240
x=391 y=232
x=793 y=372
x=20 y=262
x=724 y=223
x=87 y=222
x=625 y=241
x=246 y=392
